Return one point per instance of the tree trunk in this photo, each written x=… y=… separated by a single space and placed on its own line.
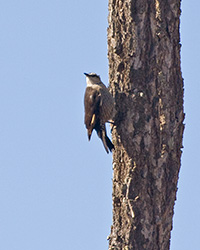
x=145 y=79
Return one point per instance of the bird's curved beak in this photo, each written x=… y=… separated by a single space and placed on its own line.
x=86 y=74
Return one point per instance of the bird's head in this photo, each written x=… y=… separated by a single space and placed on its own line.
x=92 y=78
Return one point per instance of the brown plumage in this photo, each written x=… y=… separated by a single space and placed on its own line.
x=99 y=108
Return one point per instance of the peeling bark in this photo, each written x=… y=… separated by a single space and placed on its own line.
x=145 y=79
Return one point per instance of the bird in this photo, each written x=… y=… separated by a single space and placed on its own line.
x=99 y=108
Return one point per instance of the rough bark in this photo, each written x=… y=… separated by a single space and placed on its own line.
x=146 y=81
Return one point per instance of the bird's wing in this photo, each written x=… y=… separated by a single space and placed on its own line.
x=92 y=101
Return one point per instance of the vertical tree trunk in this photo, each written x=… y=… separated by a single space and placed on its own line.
x=145 y=79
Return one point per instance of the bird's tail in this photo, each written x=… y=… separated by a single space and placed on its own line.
x=109 y=143
x=101 y=131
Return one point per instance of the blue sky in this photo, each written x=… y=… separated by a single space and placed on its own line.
x=55 y=187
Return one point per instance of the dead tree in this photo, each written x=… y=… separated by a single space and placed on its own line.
x=146 y=82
